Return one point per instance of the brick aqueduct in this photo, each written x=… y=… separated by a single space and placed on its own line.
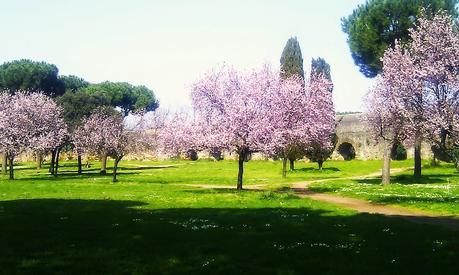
x=354 y=141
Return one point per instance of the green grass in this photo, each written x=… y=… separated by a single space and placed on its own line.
x=436 y=191
x=152 y=222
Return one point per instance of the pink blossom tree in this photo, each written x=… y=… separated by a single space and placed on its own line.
x=394 y=106
x=435 y=52
x=111 y=139
x=180 y=134
x=300 y=115
x=231 y=110
x=386 y=121
x=29 y=121
x=419 y=85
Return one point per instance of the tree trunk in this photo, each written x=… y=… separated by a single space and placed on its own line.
x=79 y=165
x=115 y=169
x=417 y=158
x=11 y=162
x=103 y=164
x=241 y=170
x=433 y=162
x=321 y=163
x=4 y=163
x=51 y=165
x=292 y=164
x=39 y=160
x=284 y=167
x=386 y=164
x=56 y=162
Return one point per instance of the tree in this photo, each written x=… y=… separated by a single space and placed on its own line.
x=73 y=83
x=291 y=59
x=180 y=134
x=231 y=110
x=111 y=140
x=435 y=53
x=299 y=118
x=395 y=105
x=291 y=63
x=320 y=67
x=129 y=98
x=29 y=122
x=374 y=26
x=76 y=106
x=126 y=96
x=28 y=75
x=315 y=151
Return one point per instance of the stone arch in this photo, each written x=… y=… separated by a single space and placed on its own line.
x=347 y=150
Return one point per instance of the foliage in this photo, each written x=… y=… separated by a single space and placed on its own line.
x=29 y=122
x=398 y=151
x=73 y=83
x=316 y=152
x=125 y=96
x=374 y=27
x=102 y=134
x=416 y=96
x=79 y=105
x=320 y=67
x=28 y=75
x=260 y=112
x=291 y=59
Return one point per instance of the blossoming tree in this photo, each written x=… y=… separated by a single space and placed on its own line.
x=231 y=110
x=300 y=116
x=259 y=112
x=29 y=121
x=435 y=53
x=111 y=139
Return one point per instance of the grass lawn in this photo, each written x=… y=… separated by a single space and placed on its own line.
x=437 y=191
x=152 y=222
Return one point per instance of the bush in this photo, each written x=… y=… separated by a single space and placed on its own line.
x=398 y=152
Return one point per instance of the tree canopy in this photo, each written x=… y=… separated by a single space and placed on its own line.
x=73 y=83
x=79 y=105
x=123 y=95
x=320 y=67
x=291 y=59
x=375 y=25
x=28 y=75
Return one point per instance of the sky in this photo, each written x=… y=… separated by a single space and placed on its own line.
x=168 y=45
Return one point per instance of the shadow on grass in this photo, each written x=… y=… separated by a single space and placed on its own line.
x=312 y=169
x=69 y=175
x=148 y=167
x=114 y=237
x=411 y=199
x=409 y=179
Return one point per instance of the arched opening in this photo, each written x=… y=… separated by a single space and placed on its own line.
x=347 y=151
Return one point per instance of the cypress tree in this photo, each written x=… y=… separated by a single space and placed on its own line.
x=291 y=59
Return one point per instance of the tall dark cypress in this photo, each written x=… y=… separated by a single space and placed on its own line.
x=291 y=59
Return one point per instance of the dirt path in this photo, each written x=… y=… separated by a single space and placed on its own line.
x=361 y=206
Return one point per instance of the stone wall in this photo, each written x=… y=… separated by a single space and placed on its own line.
x=350 y=130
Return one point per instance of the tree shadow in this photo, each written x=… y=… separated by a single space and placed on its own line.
x=68 y=175
x=312 y=169
x=156 y=167
x=43 y=236
x=414 y=200
x=409 y=179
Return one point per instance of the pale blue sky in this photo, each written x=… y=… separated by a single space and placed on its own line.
x=167 y=45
